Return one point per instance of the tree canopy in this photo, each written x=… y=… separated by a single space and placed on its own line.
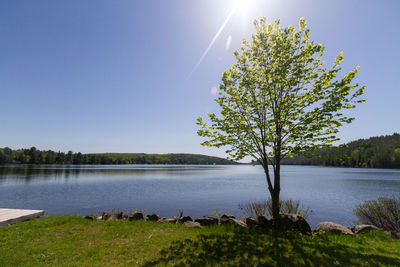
x=374 y=152
x=35 y=156
x=279 y=89
x=280 y=99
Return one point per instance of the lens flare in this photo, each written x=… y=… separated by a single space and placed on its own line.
x=213 y=41
x=228 y=42
x=243 y=6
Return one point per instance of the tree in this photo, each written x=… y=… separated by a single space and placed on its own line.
x=2 y=156
x=279 y=100
x=70 y=157
x=34 y=155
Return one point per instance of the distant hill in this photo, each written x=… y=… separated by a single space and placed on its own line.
x=141 y=158
x=374 y=152
x=35 y=156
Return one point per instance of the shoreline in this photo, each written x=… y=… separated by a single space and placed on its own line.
x=218 y=164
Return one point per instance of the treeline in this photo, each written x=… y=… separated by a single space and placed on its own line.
x=35 y=156
x=374 y=152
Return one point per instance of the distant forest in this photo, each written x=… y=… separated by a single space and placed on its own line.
x=374 y=152
x=35 y=156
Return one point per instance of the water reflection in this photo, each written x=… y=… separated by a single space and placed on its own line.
x=28 y=173
x=39 y=173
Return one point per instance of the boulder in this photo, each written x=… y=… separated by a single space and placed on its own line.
x=363 y=228
x=119 y=215
x=294 y=222
x=162 y=219
x=250 y=221
x=233 y=221
x=90 y=217
x=191 y=224
x=185 y=219
x=135 y=216
x=237 y=222
x=170 y=220
x=207 y=220
x=330 y=227
x=265 y=221
x=227 y=216
x=113 y=218
x=106 y=216
x=153 y=217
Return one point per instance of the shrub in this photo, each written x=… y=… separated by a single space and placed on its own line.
x=257 y=208
x=383 y=213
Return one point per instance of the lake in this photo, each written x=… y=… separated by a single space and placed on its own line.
x=331 y=193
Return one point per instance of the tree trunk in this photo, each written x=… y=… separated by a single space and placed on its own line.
x=274 y=190
x=275 y=195
x=275 y=207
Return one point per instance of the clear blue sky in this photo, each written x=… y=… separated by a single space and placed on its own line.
x=113 y=76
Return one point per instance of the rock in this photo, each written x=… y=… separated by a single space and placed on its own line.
x=227 y=216
x=106 y=216
x=233 y=221
x=113 y=217
x=135 y=216
x=170 y=220
x=89 y=217
x=363 y=228
x=265 y=221
x=185 y=219
x=330 y=227
x=237 y=222
x=294 y=222
x=207 y=220
x=153 y=217
x=191 y=224
x=119 y=215
x=250 y=221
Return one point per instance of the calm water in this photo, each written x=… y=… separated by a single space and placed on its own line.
x=332 y=193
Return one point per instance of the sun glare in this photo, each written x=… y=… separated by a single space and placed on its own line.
x=243 y=6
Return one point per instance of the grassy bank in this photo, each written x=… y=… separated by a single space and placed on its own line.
x=75 y=241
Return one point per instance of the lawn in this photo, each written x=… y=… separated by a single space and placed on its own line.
x=75 y=241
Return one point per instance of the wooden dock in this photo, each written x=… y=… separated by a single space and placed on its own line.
x=10 y=216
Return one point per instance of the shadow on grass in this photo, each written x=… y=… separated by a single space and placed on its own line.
x=251 y=247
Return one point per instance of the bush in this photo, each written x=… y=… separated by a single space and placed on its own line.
x=383 y=213
x=257 y=208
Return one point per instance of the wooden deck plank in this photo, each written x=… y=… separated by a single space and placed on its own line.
x=11 y=216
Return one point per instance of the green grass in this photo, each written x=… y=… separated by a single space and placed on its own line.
x=74 y=241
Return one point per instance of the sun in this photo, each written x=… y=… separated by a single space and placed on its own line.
x=243 y=6
x=239 y=6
